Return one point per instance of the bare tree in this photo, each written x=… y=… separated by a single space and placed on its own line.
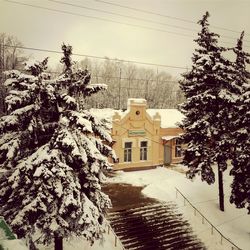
x=11 y=57
x=126 y=80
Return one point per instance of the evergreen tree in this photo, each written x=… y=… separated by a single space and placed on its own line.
x=54 y=156
x=240 y=195
x=209 y=100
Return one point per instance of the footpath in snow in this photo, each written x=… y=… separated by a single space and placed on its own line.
x=160 y=184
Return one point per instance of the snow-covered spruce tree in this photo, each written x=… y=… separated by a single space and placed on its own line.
x=54 y=155
x=240 y=195
x=28 y=124
x=209 y=100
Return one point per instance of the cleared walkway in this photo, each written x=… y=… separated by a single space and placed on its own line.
x=144 y=223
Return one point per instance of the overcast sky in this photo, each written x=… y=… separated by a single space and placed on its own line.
x=46 y=29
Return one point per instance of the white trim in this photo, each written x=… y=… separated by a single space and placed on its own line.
x=143 y=139
x=129 y=140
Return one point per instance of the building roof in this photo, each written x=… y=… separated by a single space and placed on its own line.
x=169 y=137
x=169 y=117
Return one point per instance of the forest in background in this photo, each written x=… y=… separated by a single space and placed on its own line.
x=125 y=80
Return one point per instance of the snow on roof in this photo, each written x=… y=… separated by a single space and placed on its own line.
x=170 y=137
x=169 y=117
x=107 y=114
x=136 y=100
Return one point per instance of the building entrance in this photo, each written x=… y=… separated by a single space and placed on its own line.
x=167 y=154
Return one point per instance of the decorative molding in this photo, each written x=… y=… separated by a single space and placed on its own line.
x=129 y=140
x=143 y=139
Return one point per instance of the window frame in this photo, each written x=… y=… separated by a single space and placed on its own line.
x=178 y=148
x=128 y=152
x=143 y=151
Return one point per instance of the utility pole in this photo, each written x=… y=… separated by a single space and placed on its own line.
x=2 y=78
x=146 y=96
x=120 y=78
x=157 y=76
x=2 y=57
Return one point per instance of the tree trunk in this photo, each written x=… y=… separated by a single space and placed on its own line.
x=58 y=242
x=32 y=245
x=221 y=191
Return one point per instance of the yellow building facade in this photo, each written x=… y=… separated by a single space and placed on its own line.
x=145 y=137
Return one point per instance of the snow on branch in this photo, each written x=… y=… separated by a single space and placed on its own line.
x=8 y=123
x=104 y=149
x=68 y=101
x=94 y=88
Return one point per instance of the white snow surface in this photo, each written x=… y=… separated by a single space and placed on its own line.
x=170 y=137
x=75 y=243
x=106 y=113
x=138 y=101
x=14 y=244
x=160 y=184
x=169 y=117
x=31 y=62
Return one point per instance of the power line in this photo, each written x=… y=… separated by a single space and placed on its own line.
x=121 y=15
x=124 y=78
x=143 y=90
x=146 y=11
x=166 y=16
x=136 y=18
x=137 y=79
x=103 y=58
x=98 y=57
x=106 y=20
x=145 y=136
x=98 y=18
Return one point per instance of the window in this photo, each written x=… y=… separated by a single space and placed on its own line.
x=178 y=151
x=143 y=150
x=128 y=152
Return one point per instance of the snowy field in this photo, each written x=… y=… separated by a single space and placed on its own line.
x=160 y=184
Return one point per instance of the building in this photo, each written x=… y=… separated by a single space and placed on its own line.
x=146 y=137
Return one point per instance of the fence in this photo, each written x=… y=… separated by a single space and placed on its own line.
x=203 y=218
x=117 y=242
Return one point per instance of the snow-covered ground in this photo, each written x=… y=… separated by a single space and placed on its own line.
x=72 y=244
x=160 y=184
